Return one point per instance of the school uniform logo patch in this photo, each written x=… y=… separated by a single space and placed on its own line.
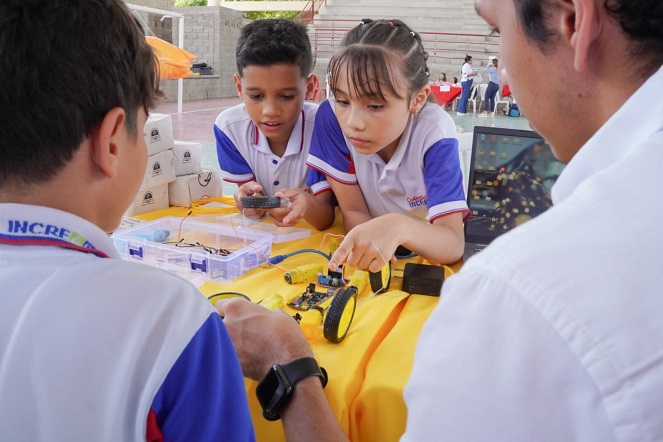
x=417 y=201
x=18 y=229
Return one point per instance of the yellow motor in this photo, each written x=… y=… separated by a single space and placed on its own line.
x=305 y=273
x=273 y=302
x=311 y=323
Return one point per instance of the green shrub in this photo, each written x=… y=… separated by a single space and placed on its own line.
x=255 y=15
x=184 y=3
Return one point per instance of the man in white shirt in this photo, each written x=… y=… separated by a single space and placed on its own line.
x=554 y=332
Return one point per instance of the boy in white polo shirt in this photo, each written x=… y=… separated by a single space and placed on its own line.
x=262 y=144
x=93 y=347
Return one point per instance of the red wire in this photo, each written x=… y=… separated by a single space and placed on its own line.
x=179 y=232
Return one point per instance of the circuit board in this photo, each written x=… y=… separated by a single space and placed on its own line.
x=311 y=299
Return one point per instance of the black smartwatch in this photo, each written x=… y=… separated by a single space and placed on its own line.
x=276 y=387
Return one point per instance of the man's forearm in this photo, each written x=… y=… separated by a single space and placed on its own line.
x=308 y=416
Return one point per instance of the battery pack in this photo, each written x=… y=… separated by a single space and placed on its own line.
x=422 y=279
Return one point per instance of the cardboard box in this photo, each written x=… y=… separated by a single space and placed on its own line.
x=197 y=186
x=149 y=200
x=188 y=157
x=160 y=169
x=158 y=133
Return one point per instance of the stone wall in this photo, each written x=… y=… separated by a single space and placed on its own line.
x=210 y=33
x=156 y=4
x=157 y=27
x=197 y=88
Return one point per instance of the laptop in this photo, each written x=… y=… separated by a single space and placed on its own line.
x=510 y=177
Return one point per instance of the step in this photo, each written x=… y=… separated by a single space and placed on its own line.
x=448 y=28
x=440 y=4
x=440 y=25
x=401 y=12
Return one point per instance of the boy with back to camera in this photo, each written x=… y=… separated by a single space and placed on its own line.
x=262 y=144
x=93 y=347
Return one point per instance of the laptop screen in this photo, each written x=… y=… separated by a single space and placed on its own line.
x=511 y=174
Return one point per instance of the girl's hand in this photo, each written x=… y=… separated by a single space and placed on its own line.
x=370 y=245
x=248 y=189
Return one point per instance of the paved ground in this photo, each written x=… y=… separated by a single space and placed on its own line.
x=196 y=123
x=197 y=119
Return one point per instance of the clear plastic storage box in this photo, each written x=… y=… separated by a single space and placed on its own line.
x=240 y=222
x=193 y=248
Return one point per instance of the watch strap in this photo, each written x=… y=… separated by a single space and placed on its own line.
x=302 y=368
x=273 y=398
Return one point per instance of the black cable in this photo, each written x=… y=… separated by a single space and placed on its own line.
x=228 y=295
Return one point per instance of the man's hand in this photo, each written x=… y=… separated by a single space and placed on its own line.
x=262 y=337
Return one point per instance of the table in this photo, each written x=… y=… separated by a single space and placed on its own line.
x=368 y=370
x=445 y=97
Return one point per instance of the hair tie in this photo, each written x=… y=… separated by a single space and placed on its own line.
x=412 y=32
x=390 y=24
x=362 y=22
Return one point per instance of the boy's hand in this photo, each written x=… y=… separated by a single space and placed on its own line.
x=278 y=216
x=262 y=337
x=248 y=189
x=368 y=246
x=297 y=205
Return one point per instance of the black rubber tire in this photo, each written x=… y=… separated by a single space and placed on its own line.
x=332 y=328
x=381 y=278
x=261 y=202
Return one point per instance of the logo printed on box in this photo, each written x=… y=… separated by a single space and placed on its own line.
x=154 y=135
x=156 y=169
x=206 y=180
x=148 y=199
x=187 y=156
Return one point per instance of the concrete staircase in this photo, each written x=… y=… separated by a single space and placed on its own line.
x=456 y=16
x=449 y=30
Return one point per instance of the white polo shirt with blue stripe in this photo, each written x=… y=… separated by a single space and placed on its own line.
x=244 y=153
x=93 y=347
x=422 y=179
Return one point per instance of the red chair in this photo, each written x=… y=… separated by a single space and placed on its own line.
x=319 y=94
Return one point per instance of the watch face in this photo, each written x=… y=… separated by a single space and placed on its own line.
x=273 y=392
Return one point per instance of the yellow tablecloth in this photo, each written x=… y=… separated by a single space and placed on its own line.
x=368 y=370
